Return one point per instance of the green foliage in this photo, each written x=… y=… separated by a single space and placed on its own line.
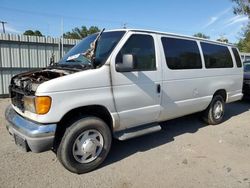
x=242 y=7
x=79 y=33
x=33 y=33
x=244 y=42
x=201 y=35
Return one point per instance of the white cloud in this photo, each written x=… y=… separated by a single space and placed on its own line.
x=225 y=11
x=236 y=19
x=210 y=22
x=215 y=18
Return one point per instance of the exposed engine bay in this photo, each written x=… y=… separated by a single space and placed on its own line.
x=29 y=81
x=26 y=84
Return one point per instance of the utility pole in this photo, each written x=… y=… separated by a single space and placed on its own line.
x=62 y=37
x=3 y=25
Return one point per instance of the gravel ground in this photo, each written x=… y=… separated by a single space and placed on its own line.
x=186 y=153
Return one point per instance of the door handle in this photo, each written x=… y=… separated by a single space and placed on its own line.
x=158 y=86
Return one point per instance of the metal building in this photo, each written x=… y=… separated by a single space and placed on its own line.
x=19 y=53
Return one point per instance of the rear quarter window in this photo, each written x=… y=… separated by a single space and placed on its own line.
x=237 y=57
x=181 y=53
x=216 y=56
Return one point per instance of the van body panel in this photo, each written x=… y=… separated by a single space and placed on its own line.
x=135 y=93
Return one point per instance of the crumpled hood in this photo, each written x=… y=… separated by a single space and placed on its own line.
x=29 y=81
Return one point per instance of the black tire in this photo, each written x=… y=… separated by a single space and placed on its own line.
x=209 y=114
x=72 y=133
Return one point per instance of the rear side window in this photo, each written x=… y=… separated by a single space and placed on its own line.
x=237 y=57
x=181 y=53
x=216 y=56
x=143 y=50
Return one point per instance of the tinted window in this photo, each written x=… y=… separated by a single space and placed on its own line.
x=237 y=57
x=181 y=54
x=216 y=56
x=143 y=50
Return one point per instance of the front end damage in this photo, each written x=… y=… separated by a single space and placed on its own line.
x=26 y=84
x=29 y=134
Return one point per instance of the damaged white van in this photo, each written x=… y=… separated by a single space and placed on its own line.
x=120 y=84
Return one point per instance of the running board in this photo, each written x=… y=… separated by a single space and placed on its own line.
x=137 y=131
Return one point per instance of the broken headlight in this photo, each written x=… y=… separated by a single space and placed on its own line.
x=39 y=104
x=29 y=104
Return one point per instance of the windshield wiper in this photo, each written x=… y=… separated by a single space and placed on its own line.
x=90 y=53
x=76 y=66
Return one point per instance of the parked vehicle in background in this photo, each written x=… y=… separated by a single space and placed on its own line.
x=245 y=56
x=120 y=84
x=246 y=82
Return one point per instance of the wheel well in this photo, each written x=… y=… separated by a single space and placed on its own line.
x=221 y=92
x=93 y=110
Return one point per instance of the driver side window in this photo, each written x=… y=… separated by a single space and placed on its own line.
x=143 y=51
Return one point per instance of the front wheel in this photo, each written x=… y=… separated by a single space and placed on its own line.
x=85 y=145
x=214 y=114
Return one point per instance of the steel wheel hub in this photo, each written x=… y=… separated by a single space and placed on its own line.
x=218 y=110
x=88 y=146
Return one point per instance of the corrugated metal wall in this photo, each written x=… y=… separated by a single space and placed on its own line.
x=20 y=53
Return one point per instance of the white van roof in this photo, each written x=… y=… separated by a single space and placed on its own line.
x=175 y=35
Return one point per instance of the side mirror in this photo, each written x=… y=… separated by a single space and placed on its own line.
x=127 y=64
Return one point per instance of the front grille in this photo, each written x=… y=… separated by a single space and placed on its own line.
x=17 y=98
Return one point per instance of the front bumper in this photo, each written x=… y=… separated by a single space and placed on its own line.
x=28 y=134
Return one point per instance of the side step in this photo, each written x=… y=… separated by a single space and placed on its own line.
x=137 y=131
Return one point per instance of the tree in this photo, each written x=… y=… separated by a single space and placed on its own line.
x=38 y=33
x=79 y=33
x=33 y=33
x=244 y=42
x=242 y=7
x=93 y=29
x=222 y=39
x=201 y=35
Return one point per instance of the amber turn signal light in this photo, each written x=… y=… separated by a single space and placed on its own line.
x=43 y=104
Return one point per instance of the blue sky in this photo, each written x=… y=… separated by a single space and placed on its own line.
x=212 y=17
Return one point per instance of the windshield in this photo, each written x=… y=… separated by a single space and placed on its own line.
x=105 y=45
x=247 y=67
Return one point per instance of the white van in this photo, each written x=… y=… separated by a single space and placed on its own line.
x=120 y=84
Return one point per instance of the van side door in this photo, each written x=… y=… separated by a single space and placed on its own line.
x=183 y=83
x=137 y=92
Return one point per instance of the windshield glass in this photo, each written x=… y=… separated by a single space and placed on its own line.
x=105 y=45
x=247 y=67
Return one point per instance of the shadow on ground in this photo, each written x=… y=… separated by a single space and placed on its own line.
x=171 y=129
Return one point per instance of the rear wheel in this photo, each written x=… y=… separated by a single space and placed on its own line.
x=214 y=114
x=85 y=145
